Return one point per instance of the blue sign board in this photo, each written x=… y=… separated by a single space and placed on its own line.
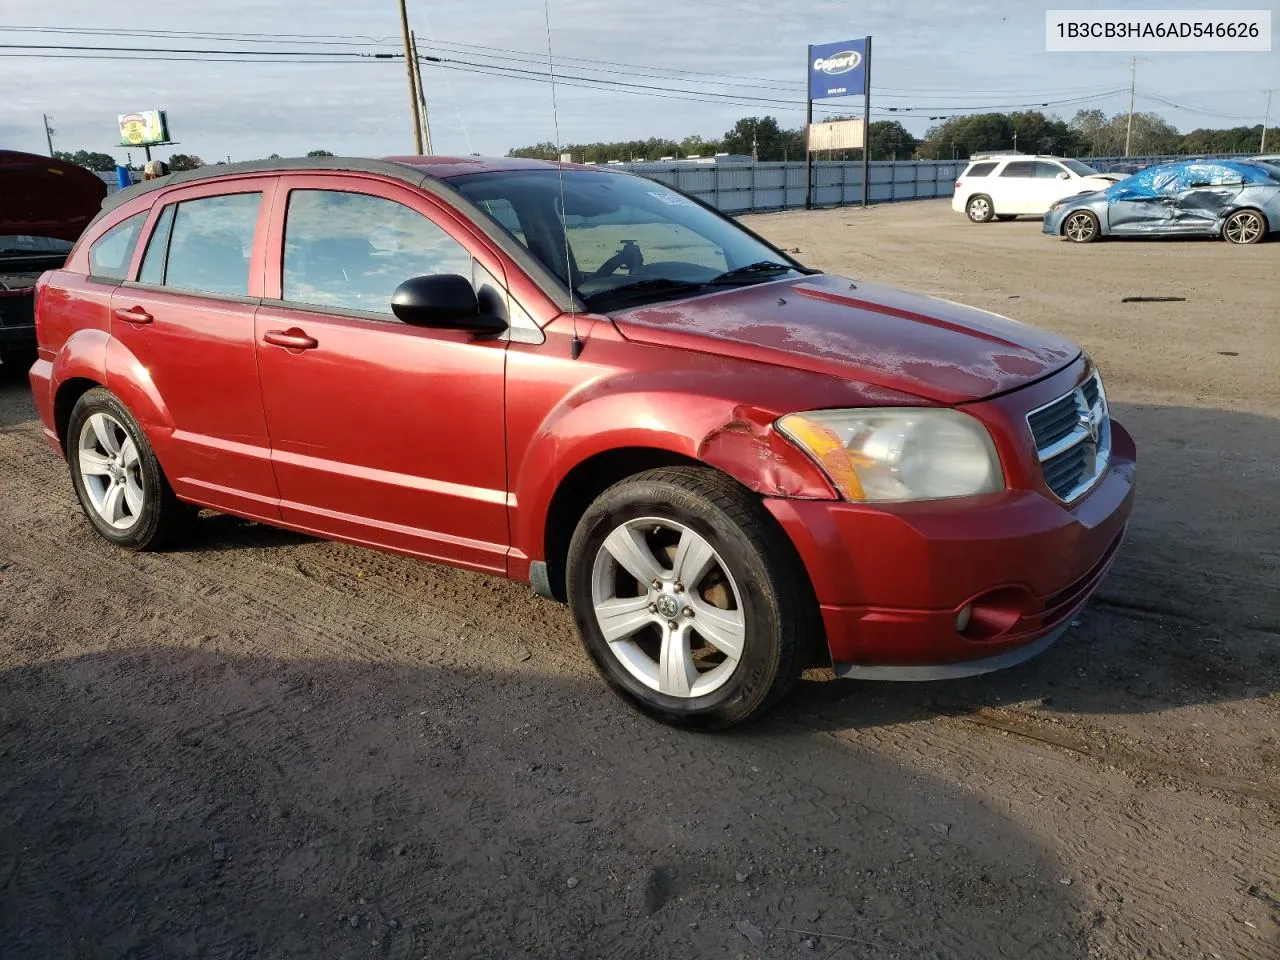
x=838 y=69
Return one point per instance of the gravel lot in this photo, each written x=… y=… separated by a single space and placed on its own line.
x=268 y=746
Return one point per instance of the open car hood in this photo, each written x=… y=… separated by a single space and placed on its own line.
x=42 y=197
x=934 y=349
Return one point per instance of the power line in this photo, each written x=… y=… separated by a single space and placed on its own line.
x=536 y=57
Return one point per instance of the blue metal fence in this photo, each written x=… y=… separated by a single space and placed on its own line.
x=744 y=187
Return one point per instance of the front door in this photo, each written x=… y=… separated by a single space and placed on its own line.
x=186 y=324
x=381 y=433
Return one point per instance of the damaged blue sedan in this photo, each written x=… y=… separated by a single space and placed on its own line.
x=1238 y=200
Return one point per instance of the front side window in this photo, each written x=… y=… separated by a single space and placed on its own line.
x=1021 y=168
x=349 y=251
x=1047 y=171
x=210 y=240
x=621 y=240
x=110 y=254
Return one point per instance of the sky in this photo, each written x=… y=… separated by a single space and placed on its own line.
x=937 y=58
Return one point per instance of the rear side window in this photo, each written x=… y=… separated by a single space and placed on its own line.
x=210 y=240
x=110 y=254
x=349 y=251
x=1020 y=168
x=980 y=170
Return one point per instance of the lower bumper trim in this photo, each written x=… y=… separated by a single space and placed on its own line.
x=952 y=671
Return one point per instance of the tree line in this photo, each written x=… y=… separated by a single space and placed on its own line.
x=1090 y=133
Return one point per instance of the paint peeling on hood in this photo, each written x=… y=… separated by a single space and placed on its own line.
x=933 y=349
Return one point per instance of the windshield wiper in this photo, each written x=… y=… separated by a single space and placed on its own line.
x=758 y=269
x=640 y=288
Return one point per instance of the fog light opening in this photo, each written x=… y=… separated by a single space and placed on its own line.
x=962 y=618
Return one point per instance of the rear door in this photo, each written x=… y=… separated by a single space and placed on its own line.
x=185 y=320
x=381 y=433
x=1014 y=188
x=1211 y=190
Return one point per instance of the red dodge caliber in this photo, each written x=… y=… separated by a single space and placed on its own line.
x=730 y=466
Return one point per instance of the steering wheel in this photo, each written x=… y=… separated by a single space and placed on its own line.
x=629 y=256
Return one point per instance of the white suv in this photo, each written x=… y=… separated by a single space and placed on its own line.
x=1004 y=186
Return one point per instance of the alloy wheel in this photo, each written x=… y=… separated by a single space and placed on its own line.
x=1243 y=227
x=111 y=470
x=1080 y=227
x=979 y=209
x=668 y=607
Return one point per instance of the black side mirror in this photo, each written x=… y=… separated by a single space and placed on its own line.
x=444 y=300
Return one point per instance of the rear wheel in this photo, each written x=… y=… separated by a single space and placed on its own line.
x=117 y=478
x=1080 y=227
x=1244 y=226
x=979 y=208
x=689 y=599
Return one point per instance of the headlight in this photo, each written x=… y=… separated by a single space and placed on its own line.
x=898 y=453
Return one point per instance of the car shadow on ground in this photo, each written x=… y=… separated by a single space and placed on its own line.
x=176 y=802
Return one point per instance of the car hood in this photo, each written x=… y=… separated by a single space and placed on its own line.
x=42 y=197
x=933 y=349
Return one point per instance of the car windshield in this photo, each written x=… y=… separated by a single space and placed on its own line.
x=1079 y=169
x=625 y=240
x=12 y=244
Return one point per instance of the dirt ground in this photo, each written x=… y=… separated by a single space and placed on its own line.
x=267 y=746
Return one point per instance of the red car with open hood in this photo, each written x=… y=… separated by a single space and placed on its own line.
x=731 y=466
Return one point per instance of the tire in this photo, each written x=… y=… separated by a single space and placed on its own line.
x=979 y=208
x=751 y=594
x=117 y=478
x=1245 y=227
x=1005 y=217
x=1080 y=226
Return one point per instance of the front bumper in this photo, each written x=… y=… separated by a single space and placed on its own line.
x=891 y=580
x=1053 y=220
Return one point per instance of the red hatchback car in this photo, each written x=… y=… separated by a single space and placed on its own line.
x=731 y=466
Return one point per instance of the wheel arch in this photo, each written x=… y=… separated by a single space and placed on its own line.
x=580 y=487
x=571 y=462
x=1272 y=222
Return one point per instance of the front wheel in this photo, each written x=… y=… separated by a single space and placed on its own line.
x=1081 y=227
x=1244 y=226
x=689 y=599
x=117 y=478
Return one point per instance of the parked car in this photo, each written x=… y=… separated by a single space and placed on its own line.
x=1005 y=186
x=44 y=205
x=730 y=465
x=1234 y=199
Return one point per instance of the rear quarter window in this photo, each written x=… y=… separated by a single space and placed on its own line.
x=980 y=170
x=111 y=253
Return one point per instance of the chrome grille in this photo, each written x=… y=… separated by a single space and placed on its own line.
x=1073 y=439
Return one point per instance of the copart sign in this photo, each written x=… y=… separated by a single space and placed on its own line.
x=837 y=69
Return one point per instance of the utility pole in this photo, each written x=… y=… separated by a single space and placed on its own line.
x=1266 y=115
x=411 y=65
x=422 y=95
x=1133 y=82
x=48 y=132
